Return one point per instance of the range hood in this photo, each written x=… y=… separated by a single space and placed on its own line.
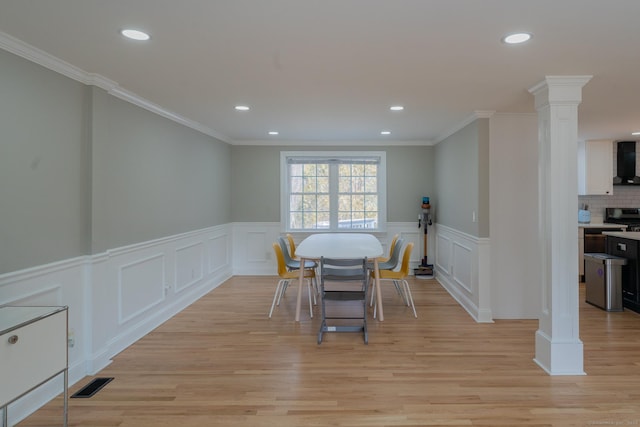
x=626 y=164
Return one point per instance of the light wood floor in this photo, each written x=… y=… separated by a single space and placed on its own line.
x=222 y=362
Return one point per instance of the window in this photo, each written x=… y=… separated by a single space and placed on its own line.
x=333 y=191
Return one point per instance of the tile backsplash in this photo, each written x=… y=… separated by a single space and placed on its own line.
x=622 y=197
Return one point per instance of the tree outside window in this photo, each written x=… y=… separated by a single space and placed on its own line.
x=333 y=192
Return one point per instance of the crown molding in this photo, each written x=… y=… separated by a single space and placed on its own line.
x=40 y=57
x=478 y=114
x=132 y=98
x=319 y=143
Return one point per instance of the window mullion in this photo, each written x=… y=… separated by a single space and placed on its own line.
x=333 y=195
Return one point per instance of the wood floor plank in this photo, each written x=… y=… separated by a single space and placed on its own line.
x=223 y=362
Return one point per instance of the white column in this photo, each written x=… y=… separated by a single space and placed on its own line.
x=558 y=347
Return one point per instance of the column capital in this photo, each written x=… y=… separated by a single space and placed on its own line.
x=559 y=90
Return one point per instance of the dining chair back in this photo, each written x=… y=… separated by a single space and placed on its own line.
x=292 y=246
x=286 y=276
x=399 y=279
x=291 y=263
x=394 y=259
x=392 y=246
x=343 y=281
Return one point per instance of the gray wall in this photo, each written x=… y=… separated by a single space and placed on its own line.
x=82 y=171
x=153 y=177
x=255 y=183
x=484 y=169
x=44 y=197
x=462 y=180
x=256 y=180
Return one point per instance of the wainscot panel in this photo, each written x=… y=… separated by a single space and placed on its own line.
x=462 y=263
x=117 y=297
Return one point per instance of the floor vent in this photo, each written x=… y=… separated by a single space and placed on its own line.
x=92 y=388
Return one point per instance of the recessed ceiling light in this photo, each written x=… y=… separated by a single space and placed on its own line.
x=242 y=108
x=397 y=108
x=385 y=132
x=135 y=35
x=516 y=38
x=273 y=132
x=635 y=133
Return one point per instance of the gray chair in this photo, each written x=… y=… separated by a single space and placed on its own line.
x=293 y=265
x=343 y=282
x=390 y=265
x=395 y=256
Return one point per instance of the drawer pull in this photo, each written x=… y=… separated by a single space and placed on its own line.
x=622 y=247
x=13 y=339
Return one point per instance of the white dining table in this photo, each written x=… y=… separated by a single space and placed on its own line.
x=340 y=246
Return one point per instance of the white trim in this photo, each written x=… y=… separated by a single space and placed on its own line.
x=467 y=279
x=140 y=309
x=562 y=81
x=336 y=144
x=40 y=57
x=90 y=286
x=43 y=270
x=479 y=114
x=382 y=186
x=23 y=299
x=197 y=270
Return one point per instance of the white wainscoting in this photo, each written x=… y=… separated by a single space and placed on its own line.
x=154 y=281
x=190 y=261
x=253 y=254
x=117 y=297
x=462 y=267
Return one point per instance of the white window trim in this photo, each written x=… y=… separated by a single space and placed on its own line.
x=382 y=188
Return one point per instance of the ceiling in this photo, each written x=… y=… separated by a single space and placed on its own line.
x=328 y=70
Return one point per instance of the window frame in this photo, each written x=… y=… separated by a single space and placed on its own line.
x=343 y=156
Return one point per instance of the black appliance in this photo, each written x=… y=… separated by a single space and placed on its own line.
x=626 y=164
x=624 y=216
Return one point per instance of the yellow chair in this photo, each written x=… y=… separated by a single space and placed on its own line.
x=286 y=276
x=399 y=278
x=295 y=264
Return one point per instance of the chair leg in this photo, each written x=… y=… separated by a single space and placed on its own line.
x=397 y=286
x=314 y=284
x=373 y=291
x=375 y=307
x=401 y=291
x=309 y=292
x=283 y=289
x=409 y=297
x=276 y=296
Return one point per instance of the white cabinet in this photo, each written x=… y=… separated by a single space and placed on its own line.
x=595 y=167
x=33 y=350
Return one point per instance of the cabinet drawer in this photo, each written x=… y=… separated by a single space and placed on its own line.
x=624 y=248
x=31 y=354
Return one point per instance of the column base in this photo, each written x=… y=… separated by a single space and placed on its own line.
x=559 y=357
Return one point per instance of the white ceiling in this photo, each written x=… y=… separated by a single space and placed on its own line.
x=328 y=70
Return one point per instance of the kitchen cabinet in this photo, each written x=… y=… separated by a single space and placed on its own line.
x=595 y=167
x=629 y=248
